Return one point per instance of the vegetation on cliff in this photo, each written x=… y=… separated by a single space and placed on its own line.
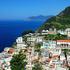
x=60 y=21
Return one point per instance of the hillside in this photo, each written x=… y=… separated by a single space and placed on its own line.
x=60 y=21
x=38 y=18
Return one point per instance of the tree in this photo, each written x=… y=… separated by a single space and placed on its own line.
x=18 y=61
x=38 y=47
x=37 y=66
x=25 y=39
x=55 y=37
x=65 y=51
x=50 y=37
x=59 y=36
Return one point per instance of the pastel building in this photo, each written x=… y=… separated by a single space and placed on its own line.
x=5 y=59
x=31 y=39
x=62 y=57
x=49 y=44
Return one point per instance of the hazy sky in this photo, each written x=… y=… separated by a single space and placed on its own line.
x=18 y=9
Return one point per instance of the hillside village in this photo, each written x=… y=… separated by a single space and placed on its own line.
x=52 y=53
x=47 y=46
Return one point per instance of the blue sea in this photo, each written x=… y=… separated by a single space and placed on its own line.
x=10 y=30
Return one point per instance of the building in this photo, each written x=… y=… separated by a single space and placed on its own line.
x=67 y=32
x=62 y=32
x=52 y=31
x=20 y=44
x=44 y=32
x=49 y=44
x=63 y=43
x=39 y=39
x=32 y=40
x=5 y=58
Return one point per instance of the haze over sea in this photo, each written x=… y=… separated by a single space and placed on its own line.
x=10 y=30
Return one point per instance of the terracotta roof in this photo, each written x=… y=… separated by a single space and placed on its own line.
x=49 y=59
x=51 y=32
x=63 y=40
x=55 y=56
x=11 y=50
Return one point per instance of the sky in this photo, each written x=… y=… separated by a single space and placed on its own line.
x=19 y=9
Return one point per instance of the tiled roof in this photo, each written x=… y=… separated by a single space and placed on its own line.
x=11 y=50
x=63 y=40
x=49 y=59
x=55 y=56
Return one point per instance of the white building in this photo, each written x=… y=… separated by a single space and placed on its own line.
x=62 y=32
x=31 y=39
x=67 y=32
x=20 y=43
x=44 y=32
x=39 y=39
x=6 y=49
x=34 y=39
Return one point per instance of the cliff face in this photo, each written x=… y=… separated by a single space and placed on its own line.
x=61 y=21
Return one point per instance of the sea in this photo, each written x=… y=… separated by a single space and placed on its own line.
x=10 y=30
